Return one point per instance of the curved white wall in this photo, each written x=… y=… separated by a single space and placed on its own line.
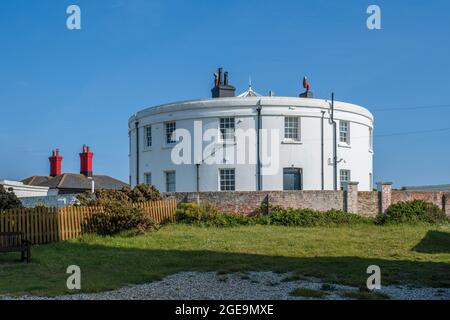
x=306 y=154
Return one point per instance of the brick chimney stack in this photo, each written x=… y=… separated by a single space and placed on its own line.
x=86 y=161
x=55 y=163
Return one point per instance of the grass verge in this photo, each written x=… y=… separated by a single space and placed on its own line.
x=406 y=254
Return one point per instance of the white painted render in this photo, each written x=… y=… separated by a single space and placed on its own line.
x=23 y=191
x=306 y=154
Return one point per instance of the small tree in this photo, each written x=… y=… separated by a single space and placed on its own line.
x=8 y=200
x=103 y=197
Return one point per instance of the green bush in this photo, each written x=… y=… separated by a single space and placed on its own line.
x=118 y=217
x=207 y=215
x=412 y=212
x=140 y=193
x=313 y=218
x=8 y=200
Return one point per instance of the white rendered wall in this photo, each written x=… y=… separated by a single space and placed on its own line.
x=356 y=157
x=22 y=191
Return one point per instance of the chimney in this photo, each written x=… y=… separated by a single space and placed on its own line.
x=55 y=163
x=86 y=161
x=221 y=86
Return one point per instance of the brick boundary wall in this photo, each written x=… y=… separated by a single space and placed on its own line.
x=365 y=203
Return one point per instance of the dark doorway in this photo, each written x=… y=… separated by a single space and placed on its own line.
x=292 y=179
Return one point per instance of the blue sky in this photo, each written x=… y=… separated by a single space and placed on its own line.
x=61 y=88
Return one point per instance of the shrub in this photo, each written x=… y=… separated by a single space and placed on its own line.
x=140 y=193
x=117 y=217
x=412 y=212
x=313 y=218
x=208 y=215
x=8 y=200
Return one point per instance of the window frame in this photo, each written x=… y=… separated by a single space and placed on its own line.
x=226 y=137
x=146 y=175
x=166 y=174
x=348 y=178
x=226 y=186
x=168 y=138
x=347 y=132
x=148 y=138
x=287 y=128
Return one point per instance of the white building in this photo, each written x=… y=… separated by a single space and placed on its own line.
x=22 y=191
x=304 y=147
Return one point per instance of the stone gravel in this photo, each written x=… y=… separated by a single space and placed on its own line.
x=238 y=286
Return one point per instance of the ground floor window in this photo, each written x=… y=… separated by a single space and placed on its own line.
x=148 y=178
x=344 y=177
x=227 y=179
x=170 y=181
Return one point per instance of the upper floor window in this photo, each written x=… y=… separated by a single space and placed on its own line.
x=344 y=177
x=170 y=128
x=227 y=126
x=370 y=138
x=170 y=181
x=147 y=137
x=148 y=178
x=227 y=179
x=292 y=128
x=344 y=132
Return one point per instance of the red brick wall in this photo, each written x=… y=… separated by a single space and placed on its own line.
x=247 y=202
x=368 y=203
x=431 y=197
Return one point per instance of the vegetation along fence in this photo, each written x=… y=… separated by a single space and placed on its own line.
x=46 y=225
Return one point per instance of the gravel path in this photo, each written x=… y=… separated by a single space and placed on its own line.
x=239 y=286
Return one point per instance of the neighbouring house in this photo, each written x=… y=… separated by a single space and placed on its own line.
x=60 y=183
x=22 y=190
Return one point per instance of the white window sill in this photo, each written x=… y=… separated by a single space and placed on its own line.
x=344 y=145
x=290 y=141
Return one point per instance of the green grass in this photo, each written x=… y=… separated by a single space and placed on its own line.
x=405 y=254
x=307 y=293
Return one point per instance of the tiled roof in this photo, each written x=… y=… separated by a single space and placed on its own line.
x=75 y=181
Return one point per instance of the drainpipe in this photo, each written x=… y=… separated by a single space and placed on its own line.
x=322 y=152
x=197 y=169
x=333 y=122
x=137 y=151
x=258 y=144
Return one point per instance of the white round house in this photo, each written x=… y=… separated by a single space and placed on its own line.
x=251 y=142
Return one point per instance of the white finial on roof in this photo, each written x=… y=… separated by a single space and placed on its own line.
x=249 y=92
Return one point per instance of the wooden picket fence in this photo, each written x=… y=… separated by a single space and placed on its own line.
x=46 y=225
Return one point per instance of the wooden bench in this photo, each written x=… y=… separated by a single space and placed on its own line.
x=15 y=242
